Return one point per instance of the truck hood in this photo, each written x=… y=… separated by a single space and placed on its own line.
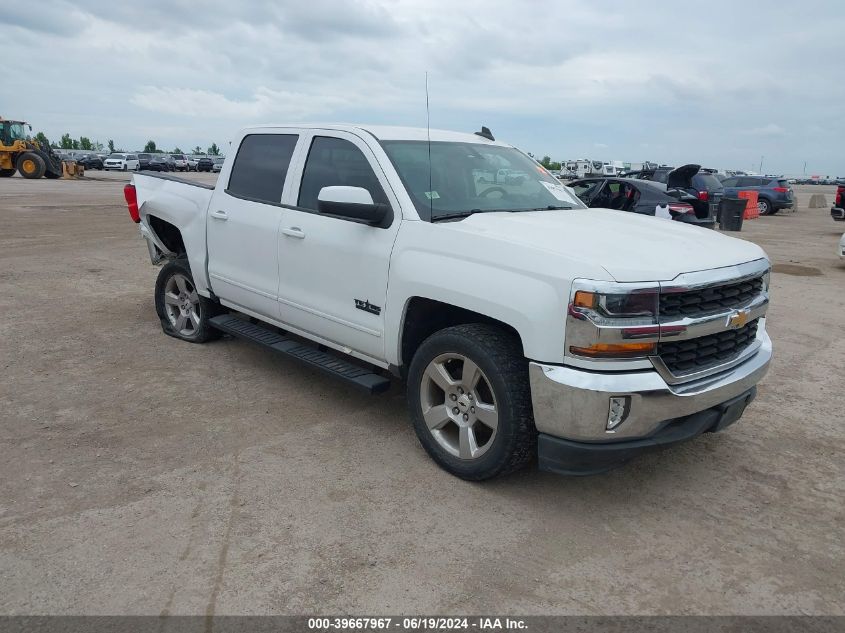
x=630 y=247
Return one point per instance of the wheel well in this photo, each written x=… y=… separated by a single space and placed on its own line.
x=424 y=317
x=168 y=234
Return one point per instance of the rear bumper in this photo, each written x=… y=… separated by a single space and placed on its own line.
x=566 y=457
x=782 y=204
x=837 y=213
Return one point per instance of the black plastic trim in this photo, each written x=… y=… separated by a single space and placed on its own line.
x=268 y=338
x=566 y=457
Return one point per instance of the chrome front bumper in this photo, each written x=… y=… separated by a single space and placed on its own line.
x=573 y=403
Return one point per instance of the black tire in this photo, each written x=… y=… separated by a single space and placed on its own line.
x=205 y=309
x=498 y=354
x=7 y=173
x=31 y=165
x=764 y=206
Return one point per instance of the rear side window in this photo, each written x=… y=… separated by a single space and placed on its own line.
x=336 y=161
x=261 y=166
x=779 y=183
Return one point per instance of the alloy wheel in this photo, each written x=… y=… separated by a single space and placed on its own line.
x=182 y=305
x=458 y=406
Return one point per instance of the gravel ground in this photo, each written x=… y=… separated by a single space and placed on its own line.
x=147 y=476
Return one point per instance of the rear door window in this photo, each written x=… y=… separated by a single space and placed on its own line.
x=336 y=161
x=261 y=166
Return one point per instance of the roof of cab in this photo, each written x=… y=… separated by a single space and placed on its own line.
x=389 y=133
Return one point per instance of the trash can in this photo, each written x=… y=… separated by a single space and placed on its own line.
x=731 y=212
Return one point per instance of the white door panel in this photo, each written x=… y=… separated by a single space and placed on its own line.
x=333 y=273
x=242 y=254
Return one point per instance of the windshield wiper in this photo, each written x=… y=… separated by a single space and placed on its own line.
x=466 y=214
x=460 y=214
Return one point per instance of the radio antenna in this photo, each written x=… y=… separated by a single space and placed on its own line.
x=428 y=134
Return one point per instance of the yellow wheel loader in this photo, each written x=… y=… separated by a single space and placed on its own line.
x=18 y=152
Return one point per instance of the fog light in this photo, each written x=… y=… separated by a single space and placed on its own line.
x=618 y=411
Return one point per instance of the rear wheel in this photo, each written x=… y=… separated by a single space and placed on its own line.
x=31 y=165
x=764 y=206
x=470 y=401
x=7 y=173
x=184 y=313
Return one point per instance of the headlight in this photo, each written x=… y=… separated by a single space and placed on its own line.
x=766 y=279
x=608 y=321
x=635 y=308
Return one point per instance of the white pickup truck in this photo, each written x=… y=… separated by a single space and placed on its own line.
x=524 y=325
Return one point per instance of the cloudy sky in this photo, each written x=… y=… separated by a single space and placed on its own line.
x=721 y=83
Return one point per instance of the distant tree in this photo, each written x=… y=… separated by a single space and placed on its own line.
x=545 y=162
x=75 y=144
x=54 y=145
x=67 y=142
x=85 y=143
x=111 y=146
x=177 y=151
x=214 y=150
x=554 y=166
x=42 y=138
x=197 y=150
x=98 y=147
x=150 y=147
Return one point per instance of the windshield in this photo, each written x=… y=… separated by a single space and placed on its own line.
x=144 y=156
x=474 y=177
x=118 y=156
x=17 y=131
x=219 y=161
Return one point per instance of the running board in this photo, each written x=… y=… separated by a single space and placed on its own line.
x=260 y=335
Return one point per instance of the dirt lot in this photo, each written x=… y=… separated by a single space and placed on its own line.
x=144 y=475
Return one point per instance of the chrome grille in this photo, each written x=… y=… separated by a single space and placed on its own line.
x=701 y=353
x=710 y=300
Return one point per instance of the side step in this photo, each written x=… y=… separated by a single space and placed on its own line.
x=332 y=365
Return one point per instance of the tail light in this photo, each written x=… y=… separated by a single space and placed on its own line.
x=703 y=196
x=780 y=189
x=681 y=208
x=132 y=202
x=840 y=193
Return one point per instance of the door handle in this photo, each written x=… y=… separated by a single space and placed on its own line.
x=219 y=215
x=294 y=231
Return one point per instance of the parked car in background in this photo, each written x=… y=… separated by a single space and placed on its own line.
x=180 y=161
x=92 y=161
x=702 y=184
x=122 y=162
x=161 y=162
x=144 y=159
x=217 y=165
x=837 y=211
x=638 y=196
x=773 y=193
x=192 y=162
x=204 y=163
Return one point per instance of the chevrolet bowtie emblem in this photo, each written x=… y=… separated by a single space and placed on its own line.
x=738 y=319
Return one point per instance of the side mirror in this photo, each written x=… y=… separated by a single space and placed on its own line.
x=354 y=203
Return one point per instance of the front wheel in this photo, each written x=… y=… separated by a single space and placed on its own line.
x=184 y=313
x=470 y=401
x=31 y=165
